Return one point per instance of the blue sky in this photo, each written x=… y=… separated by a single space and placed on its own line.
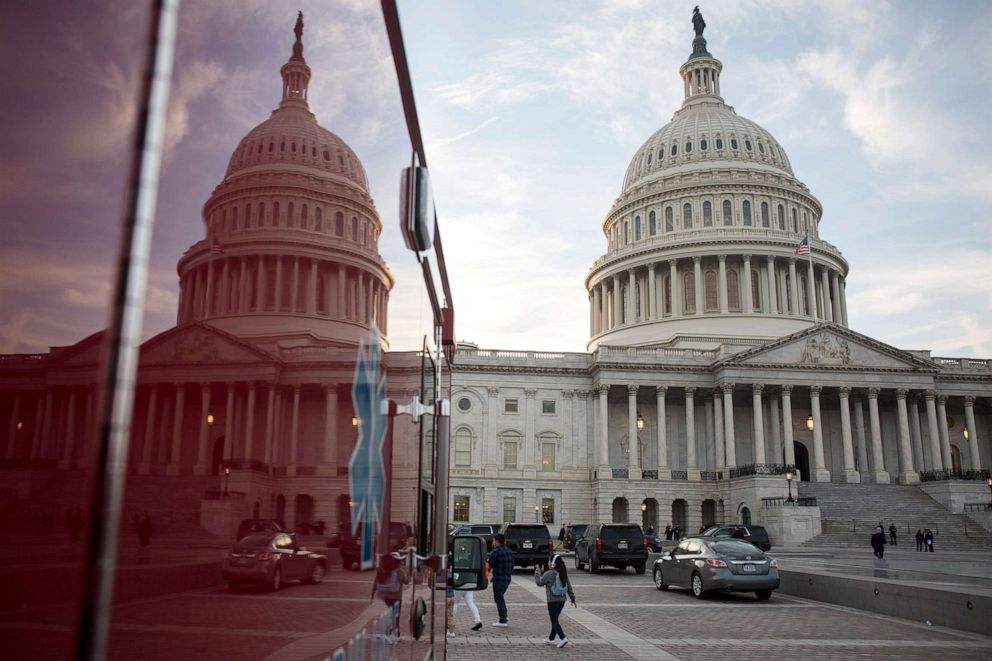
x=531 y=112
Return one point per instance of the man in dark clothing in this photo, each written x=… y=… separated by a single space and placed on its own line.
x=928 y=539
x=668 y=532
x=676 y=533
x=878 y=542
x=919 y=540
x=892 y=534
x=501 y=562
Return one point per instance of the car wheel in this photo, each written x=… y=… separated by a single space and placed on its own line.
x=578 y=564
x=593 y=566
x=763 y=595
x=659 y=580
x=276 y=581
x=697 y=586
x=640 y=568
x=233 y=586
x=317 y=573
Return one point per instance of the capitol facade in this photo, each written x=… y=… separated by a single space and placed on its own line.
x=719 y=358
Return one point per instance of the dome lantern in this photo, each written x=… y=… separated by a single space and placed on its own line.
x=701 y=72
x=296 y=73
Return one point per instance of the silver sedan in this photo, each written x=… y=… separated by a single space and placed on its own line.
x=706 y=565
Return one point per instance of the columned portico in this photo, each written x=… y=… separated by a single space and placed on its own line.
x=692 y=466
x=820 y=472
x=906 y=473
x=664 y=472
x=878 y=473
x=850 y=473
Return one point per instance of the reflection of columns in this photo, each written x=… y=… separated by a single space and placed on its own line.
x=878 y=473
x=776 y=430
x=969 y=419
x=294 y=432
x=633 y=462
x=721 y=457
x=151 y=428
x=915 y=433
x=906 y=473
x=859 y=437
x=772 y=297
x=945 y=441
x=728 y=423
x=850 y=474
x=793 y=288
x=697 y=279
x=652 y=293
x=604 y=472
x=249 y=423
x=662 y=435
x=723 y=283
x=270 y=421
x=331 y=423
x=820 y=472
x=201 y=447
x=787 y=439
x=229 y=422
x=177 y=432
x=746 y=284
x=932 y=434
x=759 y=424
x=690 y=431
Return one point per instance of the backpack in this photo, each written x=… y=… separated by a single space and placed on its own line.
x=558 y=589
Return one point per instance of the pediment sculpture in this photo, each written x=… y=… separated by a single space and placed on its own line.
x=197 y=349
x=825 y=350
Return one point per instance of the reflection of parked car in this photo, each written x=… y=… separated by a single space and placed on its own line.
x=705 y=564
x=573 y=533
x=249 y=526
x=620 y=545
x=485 y=530
x=757 y=535
x=350 y=549
x=269 y=558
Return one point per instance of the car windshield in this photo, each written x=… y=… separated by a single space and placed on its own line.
x=527 y=531
x=256 y=540
x=481 y=530
x=628 y=534
x=578 y=531
x=734 y=548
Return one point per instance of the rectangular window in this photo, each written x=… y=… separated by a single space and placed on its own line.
x=548 y=406
x=547 y=456
x=547 y=510
x=509 y=406
x=461 y=509
x=509 y=455
x=463 y=449
x=509 y=509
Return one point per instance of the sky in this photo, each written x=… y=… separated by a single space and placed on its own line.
x=531 y=113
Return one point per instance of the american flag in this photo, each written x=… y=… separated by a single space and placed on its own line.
x=215 y=248
x=803 y=247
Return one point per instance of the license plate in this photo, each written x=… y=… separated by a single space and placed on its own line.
x=749 y=568
x=622 y=545
x=528 y=545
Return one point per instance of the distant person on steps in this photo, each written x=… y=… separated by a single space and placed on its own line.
x=878 y=542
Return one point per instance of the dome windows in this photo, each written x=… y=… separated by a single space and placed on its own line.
x=733 y=291
x=728 y=213
x=272 y=146
x=354 y=229
x=650 y=154
x=652 y=223
x=764 y=215
x=637 y=228
x=292 y=148
x=304 y=215
x=275 y=214
x=318 y=220
x=781 y=217
x=795 y=223
x=719 y=143
x=761 y=147
x=747 y=144
x=675 y=150
x=313 y=152
x=733 y=144
x=687 y=216
x=327 y=155
x=282 y=146
x=661 y=153
x=339 y=223
x=707 y=214
x=703 y=144
x=688 y=146
x=746 y=212
x=260 y=148
x=669 y=220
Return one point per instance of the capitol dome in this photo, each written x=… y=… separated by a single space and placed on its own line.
x=713 y=240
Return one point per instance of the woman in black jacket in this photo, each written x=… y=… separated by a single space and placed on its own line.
x=878 y=542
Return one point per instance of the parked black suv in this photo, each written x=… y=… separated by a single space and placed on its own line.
x=573 y=533
x=620 y=545
x=484 y=530
x=757 y=535
x=531 y=543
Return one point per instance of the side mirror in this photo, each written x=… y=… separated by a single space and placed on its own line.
x=469 y=568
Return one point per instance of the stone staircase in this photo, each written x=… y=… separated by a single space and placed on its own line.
x=850 y=512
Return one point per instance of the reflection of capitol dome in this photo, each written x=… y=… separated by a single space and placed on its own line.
x=700 y=242
x=291 y=253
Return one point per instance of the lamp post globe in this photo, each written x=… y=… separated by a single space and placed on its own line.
x=788 y=480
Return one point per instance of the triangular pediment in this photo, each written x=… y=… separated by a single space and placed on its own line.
x=86 y=352
x=200 y=344
x=830 y=346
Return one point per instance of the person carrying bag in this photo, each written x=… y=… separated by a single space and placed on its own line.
x=557 y=589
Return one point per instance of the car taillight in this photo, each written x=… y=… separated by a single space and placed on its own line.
x=644 y=543
x=773 y=564
x=599 y=544
x=713 y=562
x=551 y=544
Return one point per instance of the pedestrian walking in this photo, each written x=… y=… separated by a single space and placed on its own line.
x=501 y=562
x=388 y=584
x=676 y=533
x=919 y=540
x=892 y=534
x=449 y=609
x=557 y=589
x=878 y=542
x=668 y=532
x=928 y=539
x=650 y=531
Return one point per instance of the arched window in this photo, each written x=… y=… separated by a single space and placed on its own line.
x=764 y=215
x=728 y=213
x=719 y=143
x=260 y=148
x=746 y=212
x=747 y=144
x=463 y=448
x=318 y=219
x=649 y=157
x=668 y=294
x=669 y=220
x=354 y=229
x=282 y=146
x=275 y=214
x=661 y=153
x=293 y=148
x=711 y=293
x=304 y=217
x=756 y=289
x=688 y=292
x=626 y=232
x=733 y=144
x=703 y=144
x=688 y=146
x=272 y=146
x=675 y=150
x=339 y=223
x=733 y=291
x=805 y=222
x=781 y=217
x=761 y=147
x=707 y=214
x=795 y=223
x=637 y=228
x=652 y=223
x=687 y=216
x=327 y=155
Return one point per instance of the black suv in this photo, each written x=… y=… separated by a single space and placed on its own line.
x=757 y=535
x=620 y=545
x=572 y=535
x=531 y=543
x=484 y=530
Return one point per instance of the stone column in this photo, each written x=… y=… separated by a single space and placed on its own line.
x=652 y=293
x=342 y=309
x=175 y=456
x=787 y=438
x=270 y=422
x=772 y=297
x=330 y=424
x=604 y=301
x=723 y=284
x=820 y=472
x=249 y=422
x=690 y=434
x=278 y=301
x=759 y=424
x=260 y=285
x=945 y=441
x=745 y=282
x=631 y=317
x=721 y=457
x=676 y=289
x=936 y=461
x=906 y=473
x=708 y=460
x=915 y=432
x=969 y=419
x=850 y=473
x=728 y=423
x=311 y=306
x=294 y=432
x=201 y=447
x=530 y=450
x=151 y=428
x=776 y=431
x=843 y=301
x=664 y=472
x=492 y=413
x=617 y=303
x=294 y=287
x=633 y=462
x=793 y=288
x=604 y=471
x=225 y=290
x=697 y=279
x=229 y=421
x=878 y=473
x=859 y=437
x=242 y=297
x=837 y=314
x=811 y=291
x=825 y=287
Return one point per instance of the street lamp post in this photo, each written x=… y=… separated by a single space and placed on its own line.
x=644 y=515
x=227 y=480
x=788 y=480
x=537 y=511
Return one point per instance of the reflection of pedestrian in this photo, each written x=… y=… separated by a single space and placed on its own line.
x=919 y=540
x=389 y=579
x=928 y=539
x=878 y=542
x=892 y=534
x=145 y=530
